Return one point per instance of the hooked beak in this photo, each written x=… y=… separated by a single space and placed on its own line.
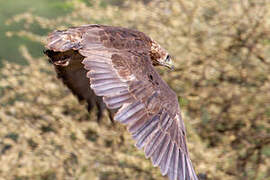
x=169 y=65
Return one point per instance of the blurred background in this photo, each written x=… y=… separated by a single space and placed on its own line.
x=221 y=50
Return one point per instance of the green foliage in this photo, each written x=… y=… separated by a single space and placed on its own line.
x=10 y=45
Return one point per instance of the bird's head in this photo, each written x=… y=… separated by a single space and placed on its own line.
x=160 y=57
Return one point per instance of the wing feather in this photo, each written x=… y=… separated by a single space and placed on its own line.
x=167 y=159
x=121 y=71
x=164 y=148
x=154 y=127
x=158 y=154
x=129 y=110
x=134 y=126
x=152 y=145
x=117 y=101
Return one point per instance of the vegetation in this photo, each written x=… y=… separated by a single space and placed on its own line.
x=10 y=45
x=221 y=52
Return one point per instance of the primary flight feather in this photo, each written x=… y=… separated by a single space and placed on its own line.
x=118 y=64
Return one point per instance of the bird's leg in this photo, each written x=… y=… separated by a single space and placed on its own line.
x=90 y=106
x=111 y=115
x=100 y=108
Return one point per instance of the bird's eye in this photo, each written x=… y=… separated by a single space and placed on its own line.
x=168 y=58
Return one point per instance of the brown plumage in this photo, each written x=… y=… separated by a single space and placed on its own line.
x=118 y=64
x=74 y=77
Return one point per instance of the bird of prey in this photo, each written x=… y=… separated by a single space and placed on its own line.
x=74 y=77
x=117 y=64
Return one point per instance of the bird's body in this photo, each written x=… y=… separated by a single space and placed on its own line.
x=74 y=77
x=118 y=64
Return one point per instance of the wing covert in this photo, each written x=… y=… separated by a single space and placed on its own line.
x=119 y=68
x=127 y=80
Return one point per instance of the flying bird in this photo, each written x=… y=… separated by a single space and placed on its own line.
x=74 y=77
x=117 y=64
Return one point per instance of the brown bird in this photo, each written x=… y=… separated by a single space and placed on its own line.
x=74 y=77
x=118 y=64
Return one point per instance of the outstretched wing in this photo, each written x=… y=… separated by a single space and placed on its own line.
x=68 y=66
x=125 y=77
